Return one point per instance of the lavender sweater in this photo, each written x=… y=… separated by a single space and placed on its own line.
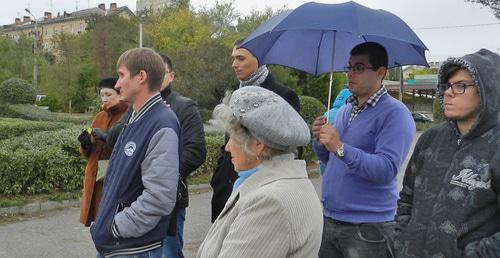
x=362 y=186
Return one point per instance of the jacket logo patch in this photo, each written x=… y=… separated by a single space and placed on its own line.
x=467 y=179
x=129 y=148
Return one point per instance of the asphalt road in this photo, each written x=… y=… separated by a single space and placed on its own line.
x=59 y=234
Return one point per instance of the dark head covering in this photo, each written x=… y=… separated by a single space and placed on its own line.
x=484 y=68
x=109 y=82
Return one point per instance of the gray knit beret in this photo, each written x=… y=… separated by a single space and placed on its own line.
x=269 y=118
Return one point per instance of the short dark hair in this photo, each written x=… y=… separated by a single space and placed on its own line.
x=108 y=82
x=238 y=42
x=449 y=72
x=377 y=55
x=166 y=59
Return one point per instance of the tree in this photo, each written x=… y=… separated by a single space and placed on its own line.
x=16 y=58
x=317 y=87
x=107 y=38
x=195 y=42
x=493 y=4
x=71 y=78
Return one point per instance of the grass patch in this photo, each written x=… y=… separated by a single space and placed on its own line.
x=199 y=179
x=64 y=196
x=20 y=200
x=11 y=203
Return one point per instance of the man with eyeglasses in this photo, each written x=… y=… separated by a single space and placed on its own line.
x=450 y=202
x=363 y=150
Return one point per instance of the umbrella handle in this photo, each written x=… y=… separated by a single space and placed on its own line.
x=329 y=98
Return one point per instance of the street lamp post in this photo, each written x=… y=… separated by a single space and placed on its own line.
x=140 y=32
x=35 y=50
x=142 y=15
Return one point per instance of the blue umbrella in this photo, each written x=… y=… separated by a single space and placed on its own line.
x=317 y=38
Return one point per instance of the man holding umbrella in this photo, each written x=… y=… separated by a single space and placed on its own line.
x=363 y=151
x=249 y=72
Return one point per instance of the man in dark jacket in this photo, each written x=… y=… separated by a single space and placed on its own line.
x=248 y=72
x=192 y=156
x=450 y=202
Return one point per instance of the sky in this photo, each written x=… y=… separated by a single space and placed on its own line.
x=444 y=41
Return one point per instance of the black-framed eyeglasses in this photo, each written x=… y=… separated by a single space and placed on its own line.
x=456 y=88
x=357 y=68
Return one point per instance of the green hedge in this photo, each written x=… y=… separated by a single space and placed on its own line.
x=310 y=108
x=10 y=127
x=213 y=143
x=206 y=114
x=43 y=162
x=51 y=102
x=17 y=91
x=32 y=112
x=49 y=162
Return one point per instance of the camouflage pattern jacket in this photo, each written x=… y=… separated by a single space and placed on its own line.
x=450 y=202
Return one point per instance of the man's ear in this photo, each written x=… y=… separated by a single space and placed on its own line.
x=143 y=77
x=381 y=72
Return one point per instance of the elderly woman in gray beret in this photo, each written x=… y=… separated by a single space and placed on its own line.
x=274 y=210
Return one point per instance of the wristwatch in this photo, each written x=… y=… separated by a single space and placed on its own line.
x=340 y=151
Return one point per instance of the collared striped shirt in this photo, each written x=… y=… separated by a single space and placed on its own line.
x=372 y=101
x=151 y=101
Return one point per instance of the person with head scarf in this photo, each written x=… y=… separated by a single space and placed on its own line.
x=450 y=202
x=96 y=151
x=273 y=210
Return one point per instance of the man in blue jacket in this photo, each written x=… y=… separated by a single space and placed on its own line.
x=140 y=186
x=363 y=152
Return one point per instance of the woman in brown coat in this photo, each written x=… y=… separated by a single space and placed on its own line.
x=96 y=150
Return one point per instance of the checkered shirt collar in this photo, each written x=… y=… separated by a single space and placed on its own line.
x=372 y=100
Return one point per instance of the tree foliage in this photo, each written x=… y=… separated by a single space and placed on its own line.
x=16 y=58
x=198 y=41
x=493 y=4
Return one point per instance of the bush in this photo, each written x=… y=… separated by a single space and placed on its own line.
x=310 y=108
x=44 y=162
x=17 y=91
x=32 y=112
x=213 y=142
x=10 y=127
x=49 y=162
x=51 y=102
x=206 y=114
